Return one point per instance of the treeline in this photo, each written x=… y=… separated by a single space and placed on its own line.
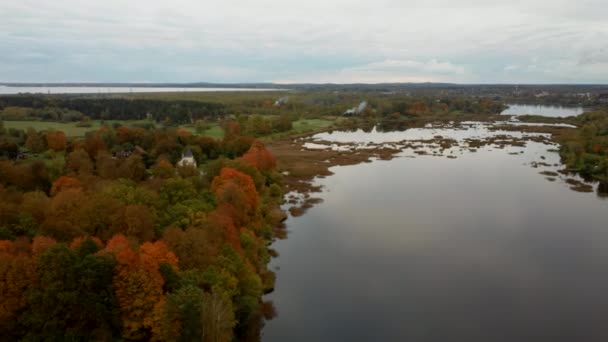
x=114 y=237
x=567 y=100
x=47 y=107
x=444 y=105
x=585 y=150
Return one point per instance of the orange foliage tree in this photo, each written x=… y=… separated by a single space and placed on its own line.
x=106 y=165
x=260 y=157
x=56 y=140
x=163 y=169
x=94 y=144
x=65 y=183
x=41 y=243
x=79 y=162
x=35 y=203
x=238 y=190
x=221 y=220
x=418 y=108
x=17 y=272
x=77 y=242
x=139 y=285
x=232 y=129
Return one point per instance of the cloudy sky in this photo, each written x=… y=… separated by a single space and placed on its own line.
x=342 y=41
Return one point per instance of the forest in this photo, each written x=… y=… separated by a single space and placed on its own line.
x=101 y=108
x=585 y=150
x=113 y=237
x=187 y=108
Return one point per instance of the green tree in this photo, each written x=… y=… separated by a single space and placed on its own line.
x=74 y=299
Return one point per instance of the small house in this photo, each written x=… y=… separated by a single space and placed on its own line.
x=187 y=159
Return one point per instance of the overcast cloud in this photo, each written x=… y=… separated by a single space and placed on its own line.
x=470 y=41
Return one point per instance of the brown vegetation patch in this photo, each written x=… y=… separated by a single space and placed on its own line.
x=555 y=131
x=579 y=186
x=537 y=164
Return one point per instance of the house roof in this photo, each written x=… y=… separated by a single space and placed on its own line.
x=187 y=153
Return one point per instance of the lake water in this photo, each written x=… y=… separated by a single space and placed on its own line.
x=552 y=111
x=477 y=248
x=108 y=90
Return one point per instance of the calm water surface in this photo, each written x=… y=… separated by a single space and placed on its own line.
x=108 y=90
x=553 y=111
x=477 y=248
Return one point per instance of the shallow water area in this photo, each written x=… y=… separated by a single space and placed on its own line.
x=464 y=242
x=542 y=110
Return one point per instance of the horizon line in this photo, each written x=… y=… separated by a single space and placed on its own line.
x=203 y=83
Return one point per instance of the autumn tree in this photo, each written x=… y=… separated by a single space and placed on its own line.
x=75 y=213
x=35 y=203
x=196 y=247
x=132 y=168
x=64 y=183
x=417 y=108
x=93 y=144
x=79 y=241
x=79 y=163
x=222 y=221
x=163 y=169
x=260 y=157
x=106 y=165
x=210 y=147
x=64 y=216
x=34 y=142
x=232 y=129
x=139 y=286
x=17 y=273
x=165 y=143
x=41 y=244
x=128 y=192
x=135 y=220
x=237 y=190
x=56 y=140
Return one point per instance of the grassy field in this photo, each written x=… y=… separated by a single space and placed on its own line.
x=72 y=130
x=215 y=131
x=308 y=125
